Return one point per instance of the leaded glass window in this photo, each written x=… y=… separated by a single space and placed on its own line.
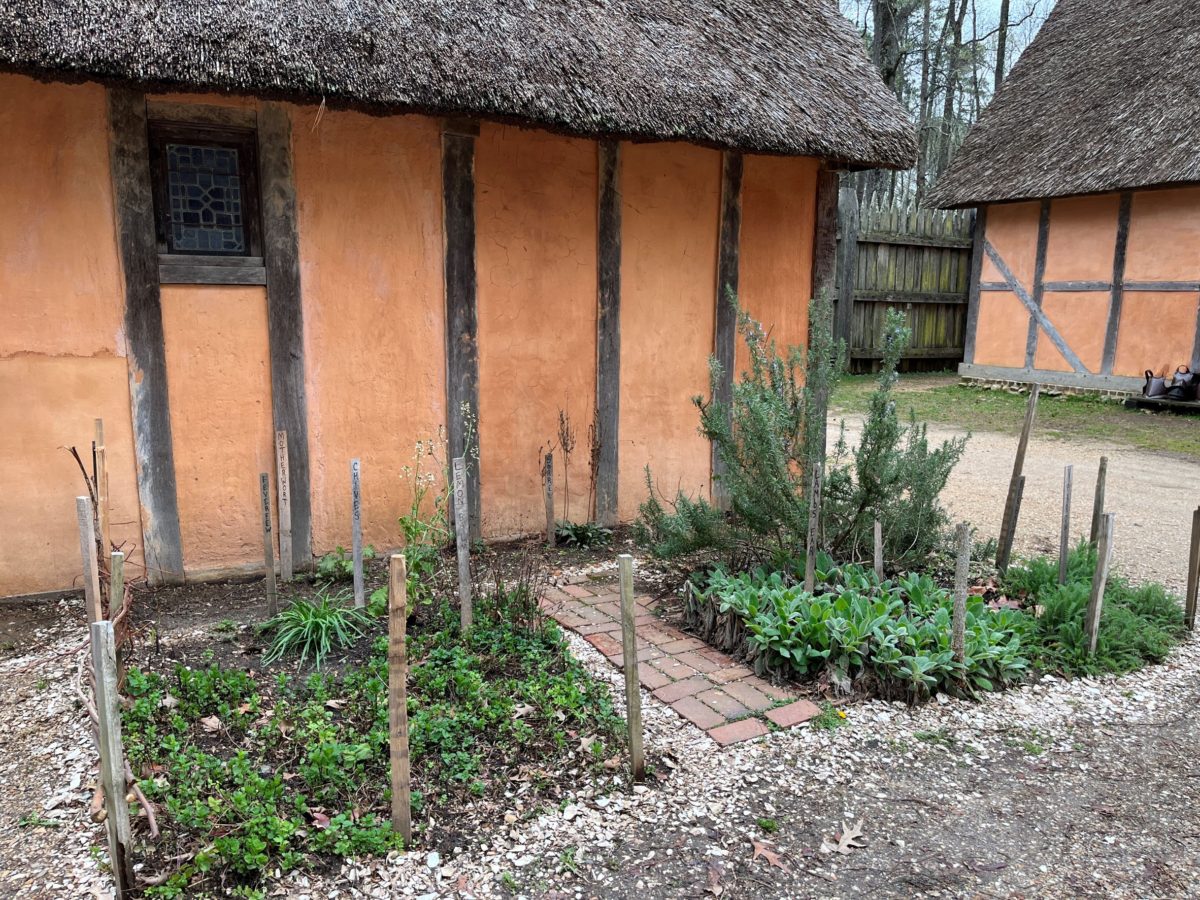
x=205 y=194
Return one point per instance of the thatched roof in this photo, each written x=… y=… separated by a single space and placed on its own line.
x=776 y=76
x=1106 y=98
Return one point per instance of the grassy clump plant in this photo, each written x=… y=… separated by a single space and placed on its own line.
x=314 y=628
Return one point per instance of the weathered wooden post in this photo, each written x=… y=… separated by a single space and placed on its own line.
x=1098 y=502
x=264 y=490
x=1009 y=532
x=283 y=495
x=633 y=696
x=962 y=572
x=1095 y=607
x=1193 y=573
x=91 y=567
x=879 y=550
x=398 y=696
x=116 y=583
x=1064 y=533
x=548 y=492
x=462 y=540
x=103 y=518
x=360 y=599
x=112 y=758
x=814 y=528
x=1008 y=525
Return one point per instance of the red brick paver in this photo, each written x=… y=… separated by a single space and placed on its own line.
x=702 y=684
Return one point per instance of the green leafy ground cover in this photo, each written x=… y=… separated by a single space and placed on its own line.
x=256 y=771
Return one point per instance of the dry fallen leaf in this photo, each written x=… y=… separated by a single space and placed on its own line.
x=767 y=852
x=612 y=763
x=586 y=742
x=320 y=820
x=244 y=708
x=523 y=710
x=849 y=839
x=168 y=702
x=714 y=879
x=211 y=724
x=335 y=704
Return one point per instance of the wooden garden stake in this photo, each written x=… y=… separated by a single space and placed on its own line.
x=87 y=550
x=102 y=516
x=1008 y=535
x=283 y=491
x=962 y=571
x=398 y=696
x=360 y=599
x=1091 y=622
x=548 y=491
x=264 y=489
x=1098 y=502
x=814 y=526
x=462 y=539
x=633 y=696
x=1064 y=533
x=1193 y=573
x=1008 y=525
x=878 y=550
x=112 y=757
x=116 y=583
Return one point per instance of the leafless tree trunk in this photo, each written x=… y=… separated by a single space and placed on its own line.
x=1001 y=45
x=951 y=88
x=923 y=98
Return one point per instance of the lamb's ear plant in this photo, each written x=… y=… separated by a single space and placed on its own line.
x=315 y=628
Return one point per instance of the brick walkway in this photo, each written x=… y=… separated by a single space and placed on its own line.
x=702 y=684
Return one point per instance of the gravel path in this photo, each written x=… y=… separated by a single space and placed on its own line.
x=1152 y=495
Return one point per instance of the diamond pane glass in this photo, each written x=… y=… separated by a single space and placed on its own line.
x=205 y=195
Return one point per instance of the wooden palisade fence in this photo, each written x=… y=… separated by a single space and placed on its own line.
x=902 y=257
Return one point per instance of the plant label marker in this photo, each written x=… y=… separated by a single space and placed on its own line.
x=87 y=550
x=462 y=541
x=1008 y=525
x=103 y=525
x=398 y=696
x=879 y=550
x=633 y=696
x=1193 y=574
x=548 y=491
x=112 y=757
x=360 y=599
x=264 y=489
x=814 y=526
x=1064 y=533
x=283 y=490
x=1098 y=502
x=1095 y=607
x=962 y=572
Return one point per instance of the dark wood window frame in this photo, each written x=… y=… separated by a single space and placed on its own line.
x=208 y=268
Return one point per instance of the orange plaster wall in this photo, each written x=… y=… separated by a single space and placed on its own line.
x=1083 y=234
x=536 y=222
x=1157 y=331
x=1164 y=236
x=778 y=221
x=1002 y=329
x=219 y=384
x=62 y=342
x=1082 y=320
x=670 y=210
x=370 y=225
x=1012 y=228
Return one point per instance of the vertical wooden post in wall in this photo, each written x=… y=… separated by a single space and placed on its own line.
x=356 y=551
x=1039 y=276
x=264 y=490
x=725 y=329
x=978 y=234
x=462 y=540
x=633 y=695
x=1064 y=531
x=847 y=263
x=608 y=329
x=285 y=316
x=149 y=406
x=87 y=550
x=398 y=697
x=462 y=320
x=284 y=497
x=112 y=756
x=1117 y=296
x=1098 y=500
